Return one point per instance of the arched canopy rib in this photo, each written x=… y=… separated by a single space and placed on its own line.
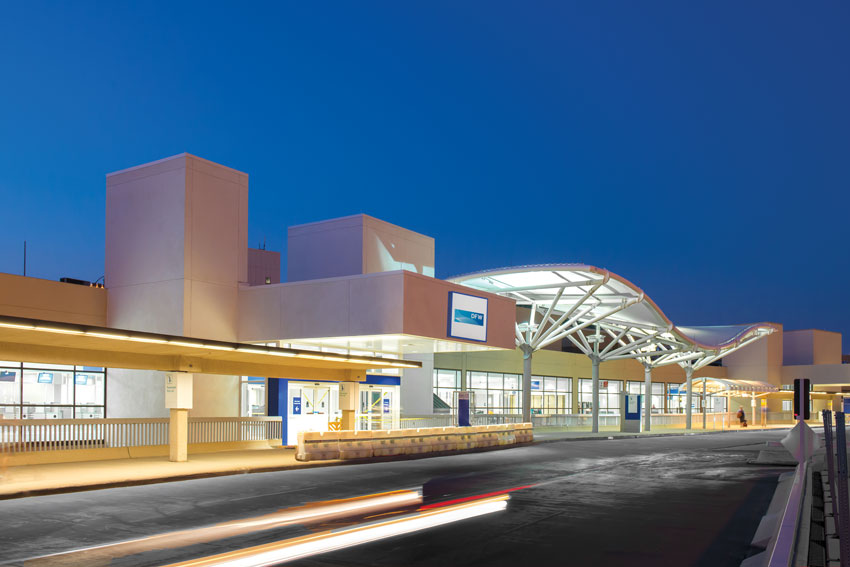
x=606 y=316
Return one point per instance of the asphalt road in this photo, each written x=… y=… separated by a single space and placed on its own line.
x=688 y=500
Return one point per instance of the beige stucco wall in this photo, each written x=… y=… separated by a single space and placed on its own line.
x=356 y=244
x=811 y=346
x=387 y=303
x=52 y=301
x=761 y=360
x=176 y=252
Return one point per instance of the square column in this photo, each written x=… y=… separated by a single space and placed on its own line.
x=178 y=399
x=349 y=393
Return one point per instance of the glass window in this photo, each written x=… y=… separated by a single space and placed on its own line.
x=609 y=395
x=447 y=378
x=48 y=387
x=477 y=380
x=253 y=396
x=512 y=382
x=10 y=412
x=89 y=388
x=48 y=366
x=51 y=391
x=495 y=381
x=10 y=385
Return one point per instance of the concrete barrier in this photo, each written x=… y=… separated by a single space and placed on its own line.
x=355 y=444
x=524 y=432
x=315 y=446
x=387 y=443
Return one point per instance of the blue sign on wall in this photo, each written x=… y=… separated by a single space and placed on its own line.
x=469 y=317
x=296 y=406
x=386 y=405
x=535 y=384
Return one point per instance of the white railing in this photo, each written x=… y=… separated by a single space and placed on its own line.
x=28 y=435
x=785 y=541
x=577 y=421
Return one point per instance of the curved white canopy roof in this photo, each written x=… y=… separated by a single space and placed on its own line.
x=605 y=315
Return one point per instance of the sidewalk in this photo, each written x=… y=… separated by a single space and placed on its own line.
x=33 y=480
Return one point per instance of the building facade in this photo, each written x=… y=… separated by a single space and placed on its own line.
x=177 y=262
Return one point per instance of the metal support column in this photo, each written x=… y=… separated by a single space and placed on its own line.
x=689 y=396
x=647 y=398
x=595 y=399
x=704 y=402
x=527 y=351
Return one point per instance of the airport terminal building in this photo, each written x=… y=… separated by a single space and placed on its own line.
x=555 y=344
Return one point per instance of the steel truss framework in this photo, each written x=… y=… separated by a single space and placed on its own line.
x=606 y=317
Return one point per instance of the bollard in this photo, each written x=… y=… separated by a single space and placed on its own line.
x=841 y=480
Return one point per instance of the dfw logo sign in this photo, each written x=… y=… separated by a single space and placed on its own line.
x=467 y=317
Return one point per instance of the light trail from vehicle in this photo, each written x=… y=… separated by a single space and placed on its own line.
x=313 y=513
x=297 y=548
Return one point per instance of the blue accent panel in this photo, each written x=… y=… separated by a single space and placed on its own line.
x=469 y=317
x=463 y=413
x=278 y=391
x=378 y=380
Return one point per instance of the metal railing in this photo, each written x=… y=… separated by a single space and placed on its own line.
x=30 y=435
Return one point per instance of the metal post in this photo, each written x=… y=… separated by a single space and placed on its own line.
x=830 y=462
x=647 y=399
x=689 y=397
x=704 y=402
x=526 y=382
x=595 y=399
x=843 y=505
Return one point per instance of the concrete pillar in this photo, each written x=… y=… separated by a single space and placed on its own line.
x=647 y=400
x=689 y=397
x=526 y=383
x=753 y=413
x=178 y=399
x=595 y=399
x=178 y=435
x=349 y=396
x=464 y=373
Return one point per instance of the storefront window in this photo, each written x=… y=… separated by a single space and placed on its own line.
x=252 y=396
x=657 y=402
x=609 y=396
x=446 y=383
x=493 y=392
x=51 y=391
x=551 y=395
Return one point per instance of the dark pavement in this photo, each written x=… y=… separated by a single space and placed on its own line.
x=685 y=500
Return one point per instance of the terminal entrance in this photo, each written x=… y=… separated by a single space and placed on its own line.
x=379 y=407
x=312 y=406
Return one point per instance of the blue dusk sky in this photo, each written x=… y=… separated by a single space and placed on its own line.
x=699 y=149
